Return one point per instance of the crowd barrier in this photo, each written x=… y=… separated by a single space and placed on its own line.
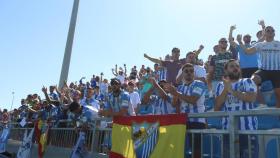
x=99 y=138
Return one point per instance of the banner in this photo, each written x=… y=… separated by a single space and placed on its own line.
x=4 y=139
x=153 y=136
x=79 y=150
x=26 y=145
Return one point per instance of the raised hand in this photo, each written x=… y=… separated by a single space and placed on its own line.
x=233 y=27
x=261 y=22
x=145 y=55
x=201 y=47
x=44 y=89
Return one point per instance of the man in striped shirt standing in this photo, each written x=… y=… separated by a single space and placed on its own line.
x=269 y=60
x=237 y=94
x=190 y=97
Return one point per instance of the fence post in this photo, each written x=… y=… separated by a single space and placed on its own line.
x=233 y=136
x=94 y=123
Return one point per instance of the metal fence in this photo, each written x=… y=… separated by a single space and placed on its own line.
x=212 y=139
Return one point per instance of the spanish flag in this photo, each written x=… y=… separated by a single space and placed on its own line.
x=41 y=132
x=153 y=136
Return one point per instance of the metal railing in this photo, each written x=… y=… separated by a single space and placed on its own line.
x=212 y=139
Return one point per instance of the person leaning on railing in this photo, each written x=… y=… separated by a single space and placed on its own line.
x=190 y=98
x=237 y=94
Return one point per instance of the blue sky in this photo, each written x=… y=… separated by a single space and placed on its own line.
x=33 y=35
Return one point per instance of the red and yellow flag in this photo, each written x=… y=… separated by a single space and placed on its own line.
x=154 y=136
x=41 y=132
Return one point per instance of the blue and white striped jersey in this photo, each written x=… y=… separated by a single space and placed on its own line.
x=91 y=102
x=196 y=88
x=162 y=74
x=162 y=107
x=116 y=103
x=269 y=55
x=89 y=113
x=232 y=103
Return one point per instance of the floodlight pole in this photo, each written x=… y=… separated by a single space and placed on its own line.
x=69 y=44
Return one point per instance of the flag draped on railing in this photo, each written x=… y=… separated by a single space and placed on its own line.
x=79 y=150
x=153 y=136
x=26 y=145
x=41 y=132
x=4 y=139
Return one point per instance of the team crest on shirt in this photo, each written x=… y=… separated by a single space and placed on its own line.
x=197 y=90
x=145 y=138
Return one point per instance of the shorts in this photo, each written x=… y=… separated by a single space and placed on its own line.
x=248 y=72
x=272 y=75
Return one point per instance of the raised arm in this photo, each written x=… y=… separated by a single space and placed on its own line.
x=114 y=72
x=154 y=60
x=262 y=24
x=230 y=37
x=45 y=91
x=125 y=70
x=179 y=77
x=161 y=92
x=197 y=52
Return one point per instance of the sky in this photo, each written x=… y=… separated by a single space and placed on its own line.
x=33 y=36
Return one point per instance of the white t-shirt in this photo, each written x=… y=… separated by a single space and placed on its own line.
x=121 y=78
x=199 y=72
x=134 y=101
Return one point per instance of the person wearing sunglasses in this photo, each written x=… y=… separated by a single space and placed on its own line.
x=118 y=101
x=190 y=97
x=269 y=60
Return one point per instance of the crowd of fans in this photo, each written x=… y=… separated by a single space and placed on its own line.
x=232 y=76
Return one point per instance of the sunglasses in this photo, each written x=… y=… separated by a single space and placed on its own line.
x=223 y=41
x=233 y=66
x=188 y=71
x=269 y=30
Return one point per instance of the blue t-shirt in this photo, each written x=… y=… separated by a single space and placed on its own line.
x=247 y=60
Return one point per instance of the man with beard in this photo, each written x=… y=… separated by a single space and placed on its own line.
x=269 y=57
x=190 y=98
x=118 y=101
x=237 y=94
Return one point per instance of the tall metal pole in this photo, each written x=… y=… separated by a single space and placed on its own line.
x=69 y=44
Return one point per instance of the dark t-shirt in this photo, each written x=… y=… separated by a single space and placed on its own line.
x=219 y=61
x=172 y=68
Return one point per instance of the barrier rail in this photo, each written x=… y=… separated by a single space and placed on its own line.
x=212 y=142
